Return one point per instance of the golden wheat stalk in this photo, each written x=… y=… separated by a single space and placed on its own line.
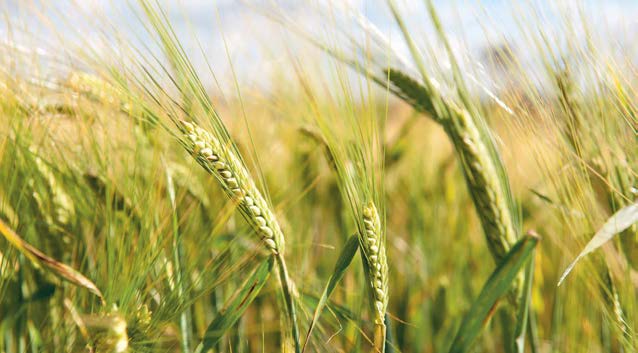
x=483 y=182
x=480 y=170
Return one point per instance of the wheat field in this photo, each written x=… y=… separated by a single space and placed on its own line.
x=381 y=187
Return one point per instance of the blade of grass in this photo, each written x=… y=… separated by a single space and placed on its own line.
x=339 y=311
x=389 y=339
x=496 y=286
x=532 y=333
x=345 y=258
x=617 y=223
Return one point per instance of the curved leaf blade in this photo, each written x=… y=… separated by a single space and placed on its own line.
x=39 y=258
x=496 y=286
x=617 y=223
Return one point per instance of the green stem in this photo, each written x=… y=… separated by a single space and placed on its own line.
x=379 y=338
x=289 y=300
x=185 y=317
x=524 y=309
x=180 y=278
x=389 y=340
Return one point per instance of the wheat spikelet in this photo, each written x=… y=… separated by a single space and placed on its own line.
x=373 y=246
x=224 y=163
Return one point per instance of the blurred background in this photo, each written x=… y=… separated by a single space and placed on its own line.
x=218 y=32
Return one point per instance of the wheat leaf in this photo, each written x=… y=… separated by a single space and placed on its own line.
x=40 y=259
x=345 y=258
x=496 y=286
x=617 y=223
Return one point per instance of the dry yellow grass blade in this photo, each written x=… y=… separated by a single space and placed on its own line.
x=40 y=259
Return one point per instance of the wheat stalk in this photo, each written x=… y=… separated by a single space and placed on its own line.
x=371 y=239
x=57 y=206
x=485 y=187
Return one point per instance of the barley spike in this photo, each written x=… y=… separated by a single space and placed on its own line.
x=224 y=163
x=374 y=250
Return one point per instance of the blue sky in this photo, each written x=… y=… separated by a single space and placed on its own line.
x=253 y=42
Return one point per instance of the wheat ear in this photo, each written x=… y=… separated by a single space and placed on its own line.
x=223 y=163
x=481 y=175
x=483 y=182
x=490 y=195
x=373 y=246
